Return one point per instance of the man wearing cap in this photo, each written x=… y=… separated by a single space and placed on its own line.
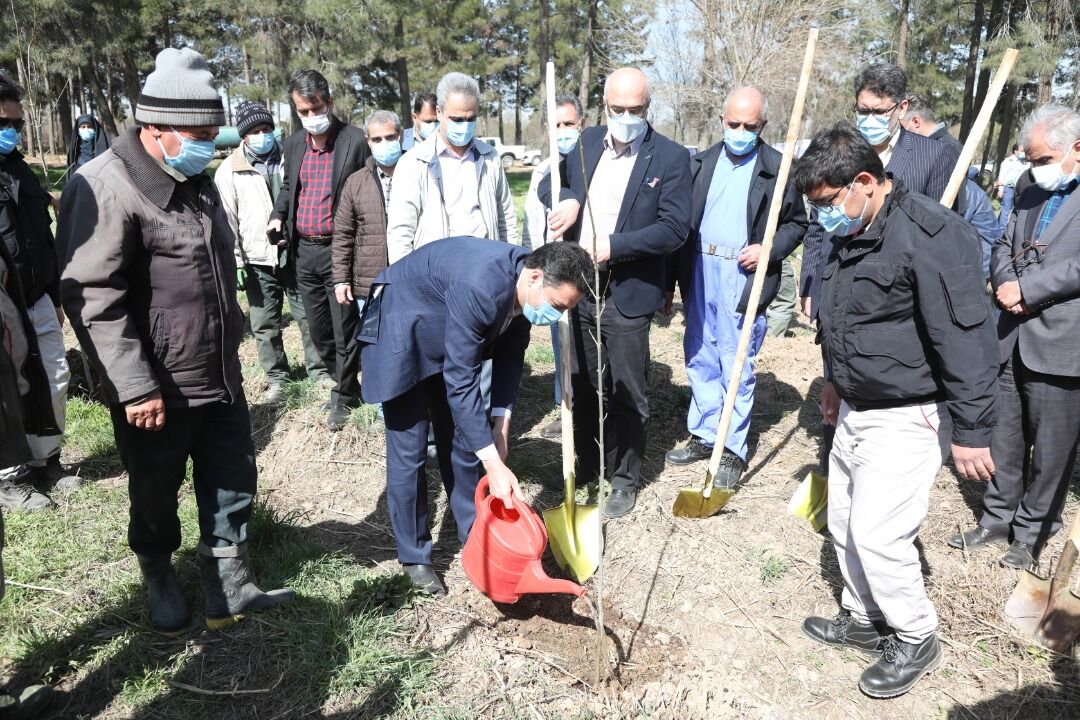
x=148 y=279
x=248 y=181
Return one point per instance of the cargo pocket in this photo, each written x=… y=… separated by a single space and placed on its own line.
x=964 y=294
x=872 y=289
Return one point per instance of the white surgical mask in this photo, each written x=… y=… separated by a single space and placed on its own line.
x=317 y=124
x=626 y=127
x=1053 y=177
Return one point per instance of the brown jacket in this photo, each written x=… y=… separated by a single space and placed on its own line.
x=358 y=250
x=148 y=279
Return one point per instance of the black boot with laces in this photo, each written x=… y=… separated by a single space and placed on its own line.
x=900 y=666
x=843 y=631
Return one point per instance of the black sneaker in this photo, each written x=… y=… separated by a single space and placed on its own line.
x=730 y=471
x=978 y=537
x=16 y=495
x=843 y=631
x=1019 y=556
x=53 y=476
x=690 y=453
x=900 y=666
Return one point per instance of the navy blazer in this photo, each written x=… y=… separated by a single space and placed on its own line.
x=444 y=310
x=924 y=165
x=653 y=221
x=789 y=229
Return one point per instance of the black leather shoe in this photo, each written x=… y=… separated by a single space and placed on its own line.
x=339 y=415
x=690 y=453
x=843 y=631
x=168 y=608
x=619 y=503
x=425 y=580
x=730 y=471
x=978 y=537
x=1019 y=556
x=900 y=666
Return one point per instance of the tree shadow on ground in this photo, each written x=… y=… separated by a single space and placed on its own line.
x=1051 y=700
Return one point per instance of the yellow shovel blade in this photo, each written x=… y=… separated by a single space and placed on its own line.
x=811 y=500
x=574 y=536
x=700 y=502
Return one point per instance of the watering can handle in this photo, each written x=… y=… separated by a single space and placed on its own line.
x=522 y=508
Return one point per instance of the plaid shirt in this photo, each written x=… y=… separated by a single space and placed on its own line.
x=315 y=205
x=1050 y=207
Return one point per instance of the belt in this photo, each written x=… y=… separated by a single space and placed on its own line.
x=724 y=253
x=317 y=239
x=896 y=403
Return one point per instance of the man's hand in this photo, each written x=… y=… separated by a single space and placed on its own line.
x=669 y=300
x=501 y=435
x=806 y=306
x=563 y=217
x=343 y=293
x=148 y=414
x=1009 y=295
x=973 y=463
x=502 y=482
x=749 y=256
x=1020 y=308
x=60 y=315
x=273 y=226
x=603 y=249
x=830 y=404
x=54 y=201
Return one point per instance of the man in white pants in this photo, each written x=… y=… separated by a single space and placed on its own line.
x=25 y=228
x=910 y=364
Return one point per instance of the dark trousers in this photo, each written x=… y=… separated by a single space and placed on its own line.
x=407 y=420
x=266 y=288
x=1034 y=450
x=332 y=325
x=217 y=438
x=625 y=343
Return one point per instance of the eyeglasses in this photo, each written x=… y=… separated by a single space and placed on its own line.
x=880 y=112
x=749 y=127
x=18 y=124
x=638 y=110
x=827 y=202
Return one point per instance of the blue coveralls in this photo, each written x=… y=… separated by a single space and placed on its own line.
x=712 y=324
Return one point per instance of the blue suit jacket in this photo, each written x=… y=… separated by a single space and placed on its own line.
x=653 y=221
x=923 y=164
x=444 y=310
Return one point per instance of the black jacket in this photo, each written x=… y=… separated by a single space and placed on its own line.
x=905 y=319
x=653 y=220
x=26 y=229
x=789 y=230
x=350 y=154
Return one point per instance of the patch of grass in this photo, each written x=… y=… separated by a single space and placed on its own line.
x=301 y=393
x=366 y=416
x=519 y=189
x=543 y=354
x=89 y=428
x=773 y=569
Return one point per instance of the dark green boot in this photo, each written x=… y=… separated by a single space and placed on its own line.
x=168 y=610
x=230 y=586
x=30 y=703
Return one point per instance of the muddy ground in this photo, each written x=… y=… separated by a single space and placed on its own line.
x=702 y=616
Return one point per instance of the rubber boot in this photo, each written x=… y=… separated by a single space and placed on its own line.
x=168 y=610
x=30 y=703
x=230 y=586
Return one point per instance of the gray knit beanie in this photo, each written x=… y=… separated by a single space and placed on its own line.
x=180 y=92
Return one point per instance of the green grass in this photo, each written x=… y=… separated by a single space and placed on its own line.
x=539 y=354
x=519 y=188
x=57 y=176
x=773 y=569
x=89 y=428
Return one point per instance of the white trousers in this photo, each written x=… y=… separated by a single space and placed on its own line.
x=50 y=338
x=881 y=469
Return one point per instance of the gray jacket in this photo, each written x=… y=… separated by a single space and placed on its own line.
x=148 y=279
x=1049 y=337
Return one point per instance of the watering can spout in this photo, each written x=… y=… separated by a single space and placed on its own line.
x=535 y=580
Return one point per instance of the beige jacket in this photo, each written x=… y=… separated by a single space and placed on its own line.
x=247 y=203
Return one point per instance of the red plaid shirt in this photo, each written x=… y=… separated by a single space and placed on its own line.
x=314 y=206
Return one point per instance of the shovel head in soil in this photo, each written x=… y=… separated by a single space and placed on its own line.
x=574 y=535
x=1045 y=609
x=701 y=502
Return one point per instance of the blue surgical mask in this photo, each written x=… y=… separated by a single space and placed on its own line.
x=426 y=128
x=836 y=222
x=875 y=128
x=387 y=152
x=193 y=157
x=460 y=134
x=87 y=133
x=261 y=143
x=9 y=138
x=567 y=140
x=626 y=127
x=542 y=314
x=739 y=142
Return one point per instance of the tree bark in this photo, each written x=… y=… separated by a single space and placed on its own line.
x=1008 y=120
x=104 y=107
x=402 y=69
x=974 y=42
x=586 y=64
x=517 y=104
x=544 y=54
x=993 y=27
x=1053 y=31
x=901 y=45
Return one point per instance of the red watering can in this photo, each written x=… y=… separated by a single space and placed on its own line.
x=502 y=555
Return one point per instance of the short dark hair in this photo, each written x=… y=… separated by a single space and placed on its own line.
x=563 y=263
x=310 y=85
x=919 y=106
x=834 y=158
x=422 y=99
x=9 y=91
x=564 y=99
x=884 y=80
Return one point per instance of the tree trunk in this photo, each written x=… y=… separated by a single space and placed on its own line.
x=993 y=27
x=1053 y=31
x=67 y=111
x=502 y=131
x=402 y=69
x=49 y=116
x=901 y=45
x=974 y=40
x=517 y=105
x=31 y=115
x=1008 y=120
x=130 y=75
x=246 y=60
x=586 y=64
x=103 y=106
x=544 y=54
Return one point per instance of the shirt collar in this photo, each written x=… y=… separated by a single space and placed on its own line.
x=331 y=138
x=442 y=149
x=628 y=151
x=894 y=139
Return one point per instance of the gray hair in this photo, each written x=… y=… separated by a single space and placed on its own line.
x=455 y=83
x=1062 y=126
x=564 y=99
x=381 y=117
x=764 y=101
x=919 y=106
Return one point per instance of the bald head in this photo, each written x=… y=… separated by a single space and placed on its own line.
x=627 y=89
x=748 y=105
